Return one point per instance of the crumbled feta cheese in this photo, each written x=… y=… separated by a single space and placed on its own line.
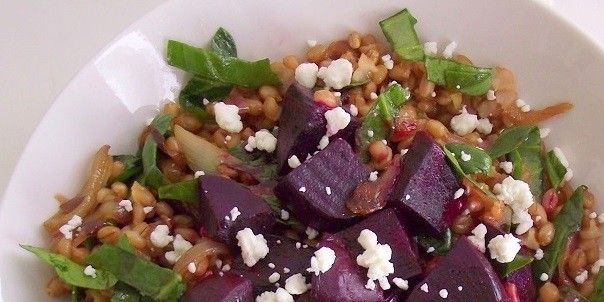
x=544 y=277
x=354 y=110
x=507 y=166
x=160 y=236
x=181 y=246
x=457 y=86
x=306 y=74
x=460 y=288
x=424 y=287
x=90 y=271
x=284 y=214
x=433 y=94
x=539 y=254
x=337 y=75
x=147 y=210
x=401 y=283
x=430 y=250
x=337 y=94
x=293 y=162
x=370 y=285
x=465 y=156
x=253 y=247
x=491 y=95
x=274 y=277
x=581 y=277
x=271 y=265
x=205 y=102
x=286 y=270
x=234 y=213
x=404 y=151
x=388 y=63
x=443 y=293
x=407 y=197
x=226 y=268
x=228 y=138
x=323 y=142
x=477 y=237
x=449 y=49
x=198 y=174
x=544 y=132
x=373 y=176
x=296 y=284
x=328 y=190
x=370 y=133
x=191 y=267
x=484 y=126
x=504 y=248
x=227 y=117
x=126 y=205
x=262 y=140
x=311 y=43
x=218 y=263
x=311 y=233
x=373 y=96
x=376 y=258
x=302 y=189
x=458 y=193
x=298 y=245
x=337 y=119
x=464 y=122
x=595 y=268
x=322 y=261
x=68 y=228
x=517 y=195
x=280 y=295
x=431 y=48
x=593 y=215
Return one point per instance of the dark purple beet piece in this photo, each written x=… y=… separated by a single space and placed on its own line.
x=345 y=280
x=328 y=180
x=282 y=255
x=389 y=230
x=425 y=187
x=217 y=197
x=301 y=126
x=464 y=266
x=523 y=280
x=215 y=288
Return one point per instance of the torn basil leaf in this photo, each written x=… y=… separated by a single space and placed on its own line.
x=185 y=191
x=223 y=43
x=465 y=78
x=479 y=161
x=555 y=169
x=399 y=30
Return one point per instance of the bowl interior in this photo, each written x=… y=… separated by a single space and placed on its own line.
x=109 y=100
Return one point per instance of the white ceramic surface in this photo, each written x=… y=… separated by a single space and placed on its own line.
x=111 y=97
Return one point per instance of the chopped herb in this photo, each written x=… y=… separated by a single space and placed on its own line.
x=520 y=261
x=480 y=161
x=441 y=246
x=555 y=169
x=185 y=191
x=528 y=163
x=598 y=292
x=510 y=139
x=257 y=164
x=467 y=79
x=124 y=244
x=399 y=30
x=460 y=172
x=122 y=292
x=132 y=167
x=222 y=43
x=152 y=175
x=71 y=272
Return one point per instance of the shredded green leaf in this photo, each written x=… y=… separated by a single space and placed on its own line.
x=124 y=293
x=223 y=43
x=528 y=163
x=441 y=246
x=71 y=272
x=510 y=139
x=467 y=79
x=555 y=169
x=152 y=176
x=461 y=173
x=597 y=295
x=257 y=164
x=399 y=30
x=505 y=269
x=132 y=167
x=479 y=162
x=185 y=191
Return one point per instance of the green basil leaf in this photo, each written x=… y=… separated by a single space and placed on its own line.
x=505 y=269
x=223 y=44
x=383 y=112
x=147 y=277
x=460 y=173
x=597 y=295
x=528 y=163
x=132 y=167
x=122 y=292
x=161 y=123
x=257 y=164
x=185 y=191
x=399 y=30
x=191 y=97
x=71 y=272
x=566 y=223
x=152 y=175
x=510 y=139
x=467 y=79
x=480 y=161
x=226 y=70
x=555 y=169
x=124 y=244
x=441 y=245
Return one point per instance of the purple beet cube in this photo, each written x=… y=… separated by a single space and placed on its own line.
x=220 y=288
x=525 y=286
x=317 y=191
x=464 y=267
x=389 y=230
x=218 y=196
x=301 y=126
x=345 y=281
x=283 y=253
x=423 y=193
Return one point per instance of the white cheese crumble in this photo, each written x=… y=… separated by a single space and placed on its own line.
x=337 y=119
x=484 y=126
x=274 y=277
x=323 y=142
x=464 y=122
x=337 y=75
x=460 y=288
x=370 y=133
x=524 y=107
x=449 y=49
x=595 y=268
x=373 y=176
x=205 y=101
x=504 y=248
x=181 y=246
x=491 y=95
x=192 y=268
x=322 y=261
x=430 y=250
x=226 y=268
x=68 y=228
x=228 y=138
x=311 y=233
x=373 y=96
x=376 y=258
x=147 y=210
x=160 y=236
x=311 y=43
x=262 y=140
x=302 y=189
x=424 y=287
x=387 y=60
x=477 y=237
x=253 y=247
x=284 y=214
x=286 y=270
x=465 y=156
x=293 y=162
x=404 y=151
x=198 y=174
x=227 y=117
x=280 y=295
x=126 y=205
x=543 y=277
x=443 y=293
x=90 y=271
x=306 y=74
x=507 y=166
x=234 y=213
x=593 y=215
x=539 y=254
x=458 y=193
x=328 y=190
x=296 y=284
x=370 y=285
x=431 y=48
x=354 y=110
x=401 y=283
x=517 y=195
x=581 y=277
x=271 y=265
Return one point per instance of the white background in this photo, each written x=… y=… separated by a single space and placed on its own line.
x=44 y=43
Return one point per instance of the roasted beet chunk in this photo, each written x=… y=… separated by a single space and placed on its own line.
x=284 y=253
x=464 y=267
x=216 y=288
x=389 y=231
x=218 y=197
x=345 y=280
x=317 y=191
x=301 y=126
x=423 y=193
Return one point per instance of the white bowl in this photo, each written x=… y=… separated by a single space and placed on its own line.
x=109 y=100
